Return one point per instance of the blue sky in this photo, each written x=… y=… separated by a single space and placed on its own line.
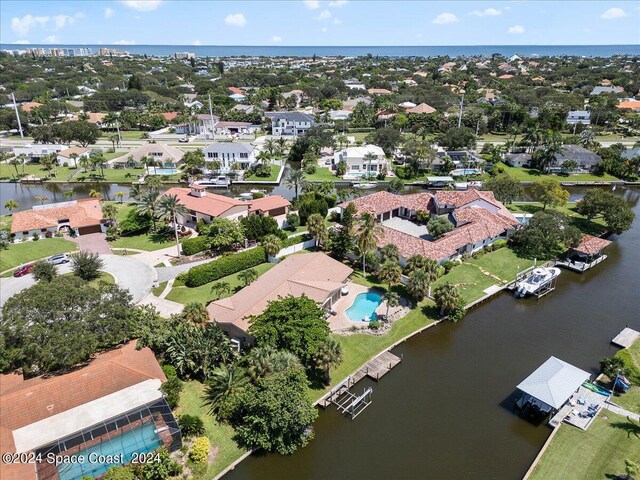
x=312 y=22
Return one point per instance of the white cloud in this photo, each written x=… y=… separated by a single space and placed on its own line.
x=324 y=15
x=26 y=23
x=196 y=43
x=124 y=42
x=21 y=42
x=338 y=3
x=324 y=29
x=337 y=21
x=237 y=20
x=444 y=18
x=311 y=4
x=51 y=39
x=141 y=5
x=108 y=12
x=507 y=8
x=613 y=13
x=487 y=12
x=61 y=21
x=516 y=29
x=276 y=38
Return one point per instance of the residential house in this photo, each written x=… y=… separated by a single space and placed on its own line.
x=379 y=91
x=421 y=108
x=579 y=116
x=97 y=118
x=231 y=153
x=339 y=114
x=275 y=206
x=65 y=156
x=35 y=152
x=605 y=89
x=28 y=106
x=352 y=102
x=206 y=124
x=586 y=160
x=517 y=159
x=165 y=156
x=354 y=84
x=205 y=206
x=629 y=104
x=316 y=275
x=357 y=164
x=77 y=217
x=479 y=221
x=114 y=398
x=290 y=123
x=235 y=128
x=248 y=109
x=406 y=106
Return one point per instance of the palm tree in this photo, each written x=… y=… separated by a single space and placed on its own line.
x=389 y=253
x=69 y=194
x=295 y=179
x=369 y=157
x=97 y=160
x=85 y=162
x=169 y=207
x=95 y=194
x=119 y=195
x=113 y=138
x=447 y=297
x=532 y=137
x=109 y=211
x=272 y=244
x=221 y=288
x=282 y=145
x=263 y=157
x=390 y=273
x=41 y=199
x=148 y=205
x=15 y=162
x=135 y=191
x=195 y=314
x=392 y=299
x=153 y=182
x=259 y=361
x=150 y=162
x=247 y=276
x=328 y=354
x=368 y=233
x=11 y=205
x=342 y=140
x=317 y=228
x=419 y=283
x=48 y=162
x=283 y=361
x=74 y=156
x=224 y=383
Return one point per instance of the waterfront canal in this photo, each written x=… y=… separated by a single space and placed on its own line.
x=446 y=410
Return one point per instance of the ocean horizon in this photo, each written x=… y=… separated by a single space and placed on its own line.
x=355 y=51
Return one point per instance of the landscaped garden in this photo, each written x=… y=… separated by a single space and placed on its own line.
x=25 y=252
x=275 y=171
x=144 y=239
x=532 y=175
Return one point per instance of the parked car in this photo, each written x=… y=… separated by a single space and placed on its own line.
x=58 y=259
x=23 y=270
x=183 y=140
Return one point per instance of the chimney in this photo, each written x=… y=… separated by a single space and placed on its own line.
x=197 y=190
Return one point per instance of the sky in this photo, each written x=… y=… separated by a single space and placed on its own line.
x=314 y=22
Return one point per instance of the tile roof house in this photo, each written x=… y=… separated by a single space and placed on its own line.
x=26 y=107
x=80 y=216
x=204 y=206
x=379 y=91
x=65 y=155
x=422 y=108
x=271 y=206
x=478 y=217
x=66 y=414
x=629 y=104
x=165 y=155
x=315 y=275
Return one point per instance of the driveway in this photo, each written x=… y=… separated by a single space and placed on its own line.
x=129 y=273
x=93 y=242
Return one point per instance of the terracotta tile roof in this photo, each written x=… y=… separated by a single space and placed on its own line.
x=78 y=150
x=95 y=117
x=377 y=203
x=422 y=108
x=26 y=107
x=266 y=204
x=168 y=116
x=629 y=104
x=314 y=274
x=236 y=90
x=26 y=402
x=459 y=199
x=211 y=204
x=81 y=213
x=379 y=91
x=506 y=76
x=591 y=245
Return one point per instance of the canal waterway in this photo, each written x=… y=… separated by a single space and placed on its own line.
x=446 y=410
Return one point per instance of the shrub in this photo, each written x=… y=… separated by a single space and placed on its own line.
x=191 y=425
x=374 y=325
x=200 y=450
x=310 y=206
x=191 y=246
x=44 y=271
x=172 y=389
x=224 y=266
x=134 y=222
x=293 y=221
x=35 y=237
x=119 y=473
x=423 y=216
x=498 y=244
x=112 y=233
x=448 y=265
x=477 y=253
x=86 y=265
x=165 y=467
x=48 y=235
x=169 y=371
x=310 y=168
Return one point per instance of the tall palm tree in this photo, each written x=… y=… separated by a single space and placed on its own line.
x=259 y=361
x=15 y=162
x=85 y=163
x=113 y=138
x=169 y=207
x=317 y=228
x=390 y=273
x=74 y=156
x=220 y=289
x=389 y=253
x=195 y=314
x=282 y=145
x=392 y=299
x=150 y=162
x=109 y=211
x=48 y=163
x=328 y=354
x=271 y=244
x=224 y=383
x=119 y=195
x=368 y=233
x=247 y=276
x=11 y=205
x=369 y=157
x=295 y=179
x=153 y=182
x=418 y=284
x=23 y=159
x=148 y=205
x=342 y=140
x=447 y=297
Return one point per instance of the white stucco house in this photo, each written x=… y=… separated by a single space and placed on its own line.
x=357 y=165
x=230 y=153
x=289 y=123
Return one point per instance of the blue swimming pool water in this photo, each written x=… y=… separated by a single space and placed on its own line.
x=162 y=171
x=364 y=307
x=464 y=171
x=140 y=440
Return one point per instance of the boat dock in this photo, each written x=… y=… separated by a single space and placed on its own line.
x=377 y=367
x=626 y=338
x=580 y=410
x=580 y=266
x=548 y=287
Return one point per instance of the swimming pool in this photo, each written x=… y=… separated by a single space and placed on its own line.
x=143 y=439
x=364 y=307
x=459 y=172
x=162 y=171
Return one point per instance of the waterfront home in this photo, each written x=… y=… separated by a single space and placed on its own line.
x=357 y=162
x=110 y=402
x=579 y=116
x=229 y=129
x=479 y=220
x=65 y=156
x=517 y=159
x=204 y=206
x=270 y=206
x=230 y=155
x=290 y=123
x=35 y=152
x=316 y=275
x=586 y=160
x=165 y=156
x=78 y=217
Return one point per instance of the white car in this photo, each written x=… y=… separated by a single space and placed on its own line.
x=58 y=259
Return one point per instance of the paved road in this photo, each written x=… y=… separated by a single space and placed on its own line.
x=167 y=273
x=129 y=273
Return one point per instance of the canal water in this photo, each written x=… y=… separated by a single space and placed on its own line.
x=446 y=410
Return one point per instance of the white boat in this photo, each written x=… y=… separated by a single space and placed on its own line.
x=539 y=278
x=365 y=185
x=220 y=181
x=246 y=196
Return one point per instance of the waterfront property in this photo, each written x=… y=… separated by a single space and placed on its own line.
x=479 y=220
x=315 y=275
x=230 y=155
x=289 y=123
x=66 y=156
x=77 y=217
x=587 y=254
x=164 y=156
x=361 y=161
x=111 y=406
x=35 y=152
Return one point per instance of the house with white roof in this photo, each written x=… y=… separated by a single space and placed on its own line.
x=35 y=152
x=290 y=123
x=165 y=156
x=579 y=116
x=358 y=162
x=228 y=154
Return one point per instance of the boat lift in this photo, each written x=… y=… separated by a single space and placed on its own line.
x=353 y=405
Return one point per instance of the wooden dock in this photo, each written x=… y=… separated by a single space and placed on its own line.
x=626 y=338
x=377 y=367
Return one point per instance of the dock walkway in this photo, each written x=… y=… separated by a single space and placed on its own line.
x=626 y=338
x=377 y=367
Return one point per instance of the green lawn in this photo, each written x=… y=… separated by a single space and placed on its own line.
x=597 y=453
x=322 y=175
x=470 y=281
x=8 y=172
x=203 y=294
x=112 y=155
x=531 y=175
x=144 y=241
x=594 y=227
x=275 y=170
x=19 y=253
x=159 y=289
x=629 y=400
x=131 y=134
x=220 y=435
x=503 y=263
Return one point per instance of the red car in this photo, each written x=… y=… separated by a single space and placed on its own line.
x=23 y=270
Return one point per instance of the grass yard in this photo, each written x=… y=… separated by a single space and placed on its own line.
x=220 y=435
x=275 y=170
x=594 y=227
x=19 y=253
x=8 y=172
x=531 y=175
x=131 y=134
x=597 y=453
x=144 y=241
x=503 y=263
x=630 y=400
x=469 y=279
x=203 y=294
x=322 y=175
x=159 y=289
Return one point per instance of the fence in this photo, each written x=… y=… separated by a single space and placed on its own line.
x=292 y=249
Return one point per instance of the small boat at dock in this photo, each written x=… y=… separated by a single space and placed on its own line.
x=364 y=185
x=540 y=279
x=220 y=181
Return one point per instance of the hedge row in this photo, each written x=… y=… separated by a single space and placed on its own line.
x=191 y=246
x=224 y=266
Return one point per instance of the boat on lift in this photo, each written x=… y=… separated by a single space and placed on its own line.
x=219 y=181
x=364 y=185
x=539 y=279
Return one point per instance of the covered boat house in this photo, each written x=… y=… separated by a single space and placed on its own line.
x=586 y=255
